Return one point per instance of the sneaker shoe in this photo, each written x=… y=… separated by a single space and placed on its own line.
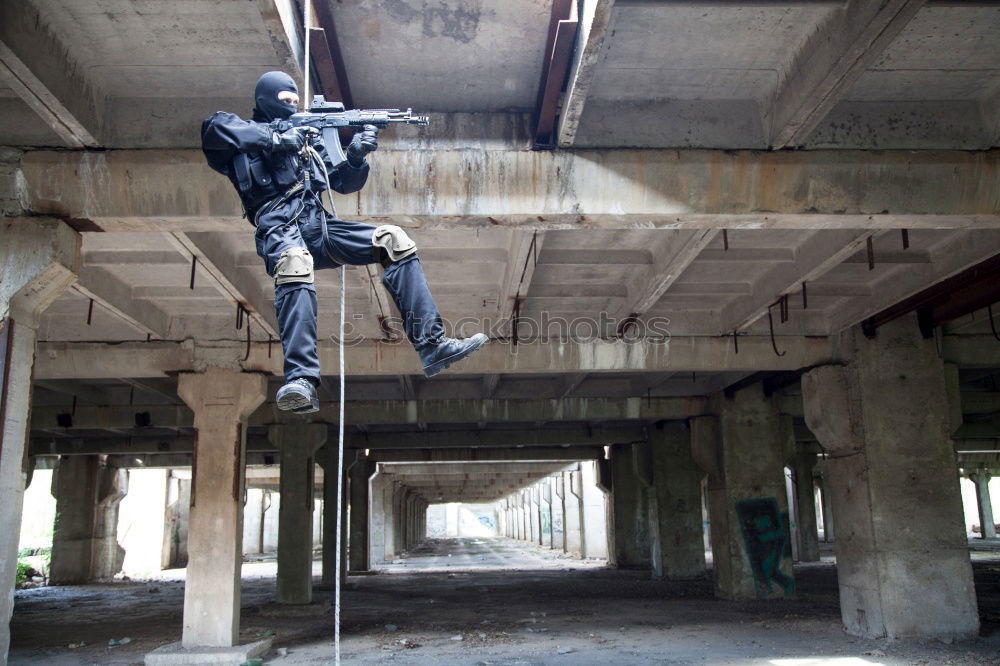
x=448 y=351
x=298 y=396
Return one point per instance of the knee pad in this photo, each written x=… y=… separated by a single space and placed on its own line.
x=391 y=244
x=294 y=265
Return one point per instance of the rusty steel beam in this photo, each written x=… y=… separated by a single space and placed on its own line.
x=959 y=295
x=336 y=60
x=558 y=51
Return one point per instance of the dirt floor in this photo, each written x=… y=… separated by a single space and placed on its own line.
x=496 y=601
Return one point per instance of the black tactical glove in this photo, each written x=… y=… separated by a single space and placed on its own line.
x=292 y=139
x=363 y=143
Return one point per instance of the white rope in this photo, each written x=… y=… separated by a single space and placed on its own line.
x=340 y=467
x=307 y=13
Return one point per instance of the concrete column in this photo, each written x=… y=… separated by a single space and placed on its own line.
x=678 y=498
x=85 y=536
x=594 y=537
x=344 y=526
x=885 y=419
x=176 y=521
x=526 y=515
x=389 y=491
x=805 y=505
x=741 y=451
x=360 y=481
x=297 y=444
x=112 y=487
x=573 y=512
x=376 y=534
x=38 y=260
x=545 y=513
x=630 y=512
x=534 y=522
x=221 y=400
x=981 y=477
x=74 y=485
x=328 y=460
x=558 y=512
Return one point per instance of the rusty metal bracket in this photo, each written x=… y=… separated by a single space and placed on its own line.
x=725 y=239
x=805 y=297
x=247 y=354
x=269 y=341
x=90 y=312
x=770 y=325
x=905 y=233
x=194 y=264
x=239 y=316
x=871 y=253
x=736 y=341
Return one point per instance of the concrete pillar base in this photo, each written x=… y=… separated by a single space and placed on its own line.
x=176 y=654
x=902 y=555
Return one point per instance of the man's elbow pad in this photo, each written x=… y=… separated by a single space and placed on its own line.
x=392 y=243
x=294 y=265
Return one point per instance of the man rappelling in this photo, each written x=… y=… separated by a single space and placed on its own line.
x=268 y=161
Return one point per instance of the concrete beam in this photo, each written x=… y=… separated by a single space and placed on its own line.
x=471 y=468
x=462 y=439
x=87 y=360
x=830 y=61
x=494 y=438
x=233 y=282
x=669 y=263
x=391 y=412
x=522 y=257
x=283 y=28
x=501 y=456
x=495 y=455
x=611 y=189
x=813 y=259
x=963 y=250
x=591 y=35
x=116 y=297
x=19 y=78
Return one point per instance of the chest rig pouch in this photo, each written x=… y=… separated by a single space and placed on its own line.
x=261 y=177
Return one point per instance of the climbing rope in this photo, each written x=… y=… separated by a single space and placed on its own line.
x=307 y=13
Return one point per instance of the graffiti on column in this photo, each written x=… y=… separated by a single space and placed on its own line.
x=487 y=521
x=546 y=519
x=765 y=534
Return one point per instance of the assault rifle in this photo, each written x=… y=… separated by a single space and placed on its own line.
x=328 y=117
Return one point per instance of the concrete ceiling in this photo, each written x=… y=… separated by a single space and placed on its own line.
x=701 y=74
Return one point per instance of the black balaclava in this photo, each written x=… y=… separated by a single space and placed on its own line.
x=269 y=107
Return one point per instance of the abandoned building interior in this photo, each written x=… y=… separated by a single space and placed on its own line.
x=738 y=261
